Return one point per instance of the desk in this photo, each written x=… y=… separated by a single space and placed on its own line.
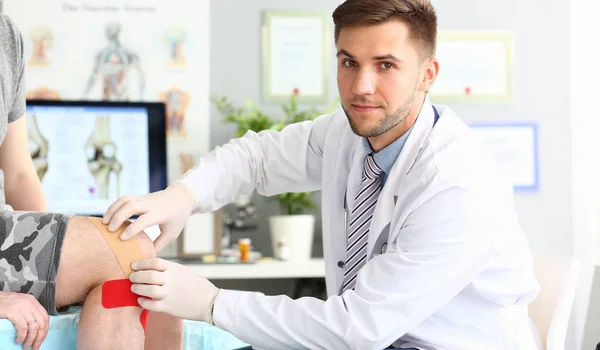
x=313 y=268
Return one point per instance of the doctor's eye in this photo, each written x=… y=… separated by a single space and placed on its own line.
x=386 y=65
x=349 y=63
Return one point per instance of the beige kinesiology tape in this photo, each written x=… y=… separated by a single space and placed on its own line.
x=125 y=251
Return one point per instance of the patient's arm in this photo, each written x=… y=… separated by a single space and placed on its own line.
x=22 y=185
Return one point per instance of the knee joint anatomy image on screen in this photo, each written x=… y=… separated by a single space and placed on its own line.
x=101 y=156
x=38 y=147
x=87 y=157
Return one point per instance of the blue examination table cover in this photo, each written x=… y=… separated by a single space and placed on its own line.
x=63 y=332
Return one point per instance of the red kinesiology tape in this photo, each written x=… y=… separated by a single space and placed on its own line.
x=117 y=293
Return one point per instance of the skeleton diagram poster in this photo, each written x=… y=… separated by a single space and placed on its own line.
x=124 y=50
x=148 y=50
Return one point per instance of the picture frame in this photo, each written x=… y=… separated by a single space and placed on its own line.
x=301 y=40
x=474 y=67
x=203 y=232
x=193 y=243
x=515 y=146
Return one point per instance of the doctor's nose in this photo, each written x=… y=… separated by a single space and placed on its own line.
x=364 y=84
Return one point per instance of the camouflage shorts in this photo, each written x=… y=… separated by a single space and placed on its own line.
x=30 y=246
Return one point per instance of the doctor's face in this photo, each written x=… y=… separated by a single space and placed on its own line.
x=382 y=78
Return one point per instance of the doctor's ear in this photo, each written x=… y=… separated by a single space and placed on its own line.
x=430 y=72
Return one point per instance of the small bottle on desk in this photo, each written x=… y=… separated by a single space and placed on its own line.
x=244 y=244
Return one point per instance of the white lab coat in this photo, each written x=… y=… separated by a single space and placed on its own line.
x=450 y=267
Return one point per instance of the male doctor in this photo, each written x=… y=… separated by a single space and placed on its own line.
x=421 y=241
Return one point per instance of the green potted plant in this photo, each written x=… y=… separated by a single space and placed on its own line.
x=293 y=227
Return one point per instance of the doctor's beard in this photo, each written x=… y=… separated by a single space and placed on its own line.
x=388 y=122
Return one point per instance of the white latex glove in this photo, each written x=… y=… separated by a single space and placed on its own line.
x=173 y=289
x=169 y=209
x=29 y=317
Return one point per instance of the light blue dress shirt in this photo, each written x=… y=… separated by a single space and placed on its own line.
x=386 y=158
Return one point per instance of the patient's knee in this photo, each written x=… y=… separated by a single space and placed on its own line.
x=89 y=258
x=124 y=252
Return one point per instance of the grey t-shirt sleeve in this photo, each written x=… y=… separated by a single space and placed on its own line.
x=17 y=109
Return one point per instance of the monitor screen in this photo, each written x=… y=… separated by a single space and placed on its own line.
x=89 y=154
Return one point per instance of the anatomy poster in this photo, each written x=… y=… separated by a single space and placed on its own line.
x=121 y=50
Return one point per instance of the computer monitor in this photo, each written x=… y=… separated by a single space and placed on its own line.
x=90 y=153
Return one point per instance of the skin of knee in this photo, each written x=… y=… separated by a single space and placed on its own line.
x=146 y=246
x=112 y=270
x=87 y=261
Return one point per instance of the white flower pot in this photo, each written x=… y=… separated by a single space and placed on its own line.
x=296 y=231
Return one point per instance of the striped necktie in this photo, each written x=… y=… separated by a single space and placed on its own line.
x=360 y=221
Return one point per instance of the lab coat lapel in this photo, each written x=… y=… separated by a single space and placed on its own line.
x=349 y=173
x=355 y=175
x=384 y=211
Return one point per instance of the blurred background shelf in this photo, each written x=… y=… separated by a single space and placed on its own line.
x=313 y=268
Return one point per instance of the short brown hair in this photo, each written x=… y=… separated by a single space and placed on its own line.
x=418 y=15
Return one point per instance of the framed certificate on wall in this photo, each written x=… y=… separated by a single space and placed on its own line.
x=515 y=147
x=474 y=66
x=295 y=56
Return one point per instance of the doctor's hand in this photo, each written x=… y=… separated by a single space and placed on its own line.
x=169 y=209
x=173 y=289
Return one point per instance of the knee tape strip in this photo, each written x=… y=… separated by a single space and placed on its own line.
x=125 y=251
x=117 y=293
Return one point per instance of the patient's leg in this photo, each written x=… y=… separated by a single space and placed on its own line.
x=164 y=332
x=86 y=262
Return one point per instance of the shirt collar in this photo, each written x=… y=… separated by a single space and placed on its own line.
x=386 y=158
